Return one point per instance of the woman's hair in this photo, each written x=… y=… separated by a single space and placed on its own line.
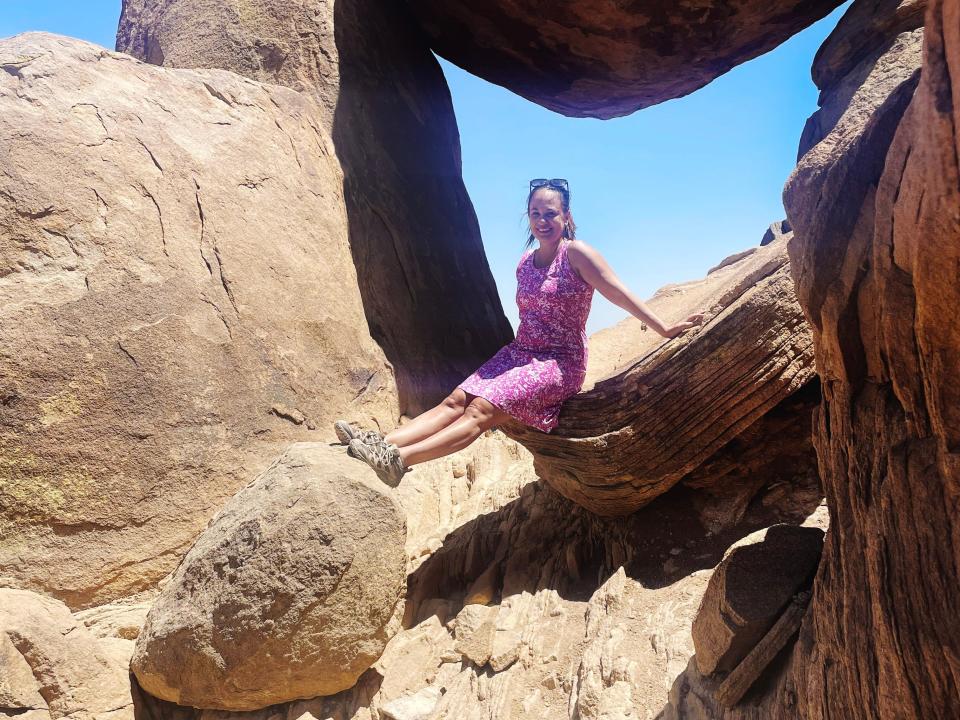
x=569 y=228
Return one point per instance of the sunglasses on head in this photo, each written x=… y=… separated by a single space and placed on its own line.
x=555 y=183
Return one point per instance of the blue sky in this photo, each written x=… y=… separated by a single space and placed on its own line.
x=664 y=194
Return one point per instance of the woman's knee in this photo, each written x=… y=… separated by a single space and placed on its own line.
x=455 y=401
x=483 y=412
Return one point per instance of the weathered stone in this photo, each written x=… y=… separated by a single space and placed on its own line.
x=604 y=59
x=473 y=633
x=749 y=590
x=428 y=294
x=288 y=593
x=876 y=207
x=633 y=436
x=18 y=687
x=418 y=706
x=51 y=662
x=776 y=231
x=115 y=621
x=173 y=266
x=773 y=459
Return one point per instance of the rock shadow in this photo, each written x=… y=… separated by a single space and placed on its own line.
x=541 y=540
x=341 y=706
x=428 y=294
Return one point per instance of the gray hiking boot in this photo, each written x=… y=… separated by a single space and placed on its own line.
x=383 y=458
x=347 y=432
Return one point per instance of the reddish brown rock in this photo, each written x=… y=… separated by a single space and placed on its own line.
x=428 y=294
x=772 y=462
x=605 y=59
x=879 y=267
x=876 y=211
x=749 y=590
x=177 y=302
x=634 y=435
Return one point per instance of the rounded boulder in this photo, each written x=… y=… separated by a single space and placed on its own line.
x=288 y=594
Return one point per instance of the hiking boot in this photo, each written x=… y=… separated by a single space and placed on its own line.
x=347 y=432
x=383 y=458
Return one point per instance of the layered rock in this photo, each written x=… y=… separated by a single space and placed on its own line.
x=288 y=594
x=609 y=58
x=636 y=434
x=178 y=304
x=429 y=297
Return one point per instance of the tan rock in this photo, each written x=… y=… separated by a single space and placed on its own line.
x=749 y=590
x=474 y=631
x=115 y=620
x=413 y=232
x=288 y=594
x=52 y=663
x=607 y=59
x=418 y=706
x=174 y=266
x=636 y=434
x=18 y=687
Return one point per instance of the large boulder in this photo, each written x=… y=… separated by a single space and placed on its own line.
x=636 y=434
x=177 y=303
x=428 y=293
x=288 y=594
x=609 y=58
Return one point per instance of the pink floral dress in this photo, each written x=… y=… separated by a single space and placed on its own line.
x=547 y=362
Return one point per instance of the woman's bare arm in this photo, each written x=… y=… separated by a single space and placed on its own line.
x=595 y=270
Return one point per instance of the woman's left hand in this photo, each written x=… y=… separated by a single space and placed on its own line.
x=679 y=328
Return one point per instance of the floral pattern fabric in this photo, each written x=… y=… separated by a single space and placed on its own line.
x=547 y=362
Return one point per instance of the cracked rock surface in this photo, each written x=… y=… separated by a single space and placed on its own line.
x=177 y=301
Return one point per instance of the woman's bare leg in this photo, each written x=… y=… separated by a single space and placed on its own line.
x=479 y=415
x=430 y=422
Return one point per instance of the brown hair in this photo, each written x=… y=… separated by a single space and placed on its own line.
x=569 y=227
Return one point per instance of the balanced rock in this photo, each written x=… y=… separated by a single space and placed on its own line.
x=608 y=58
x=288 y=594
x=749 y=590
x=177 y=304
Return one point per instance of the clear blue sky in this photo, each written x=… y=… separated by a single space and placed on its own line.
x=664 y=194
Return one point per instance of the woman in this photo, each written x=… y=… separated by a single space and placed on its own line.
x=528 y=379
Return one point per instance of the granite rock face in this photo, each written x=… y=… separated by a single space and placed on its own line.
x=177 y=302
x=606 y=59
x=288 y=594
x=428 y=294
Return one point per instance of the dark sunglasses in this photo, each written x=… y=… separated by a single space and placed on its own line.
x=555 y=183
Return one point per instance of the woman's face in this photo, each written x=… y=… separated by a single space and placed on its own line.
x=545 y=213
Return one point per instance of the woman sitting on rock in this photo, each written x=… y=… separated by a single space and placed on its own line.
x=528 y=379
